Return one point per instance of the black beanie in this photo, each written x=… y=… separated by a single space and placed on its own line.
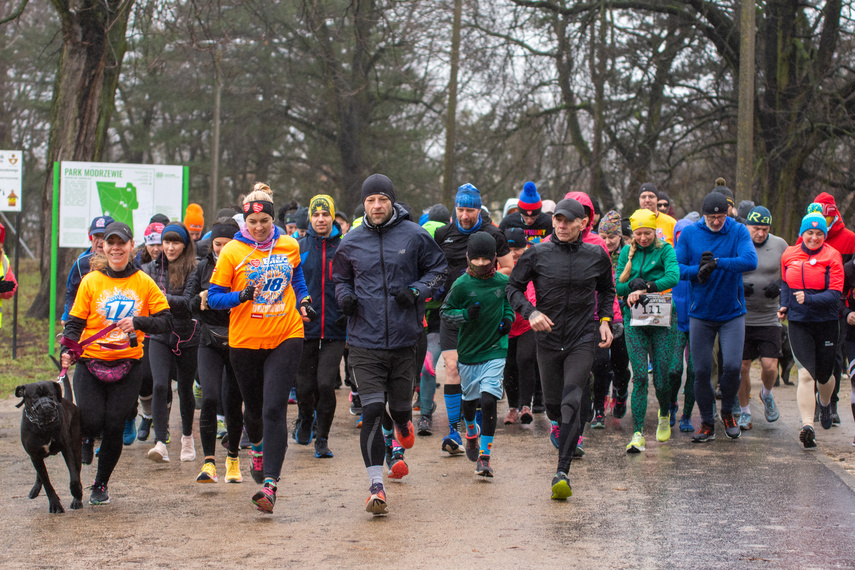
x=714 y=203
x=225 y=213
x=481 y=244
x=516 y=237
x=224 y=229
x=721 y=187
x=302 y=218
x=360 y=212
x=648 y=187
x=378 y=184
x=439 y=213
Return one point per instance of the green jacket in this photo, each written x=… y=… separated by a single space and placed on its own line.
x=651 y=263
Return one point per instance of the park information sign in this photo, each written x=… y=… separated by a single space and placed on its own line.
x=11 y=180
x=130 y=193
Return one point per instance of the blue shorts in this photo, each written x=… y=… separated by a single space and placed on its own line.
x=482 y=377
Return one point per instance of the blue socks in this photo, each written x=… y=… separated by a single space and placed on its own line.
x=486 y=444
x=453 y=395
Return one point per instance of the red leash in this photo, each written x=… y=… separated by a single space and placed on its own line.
x=75 y=349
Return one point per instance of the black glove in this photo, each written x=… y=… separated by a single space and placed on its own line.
x=406 y=298
x=643 y=300
x=348 y=305
x=772 y=290
x=617 y=330
x=311 y=313
x=748 y=288
x=473 y=311
x=341 y=321
x=505 y=325
x=247 y=294
x=706 y=257
x=636 y=284
x=651 y=287
x=6 y=286
x=706 y=270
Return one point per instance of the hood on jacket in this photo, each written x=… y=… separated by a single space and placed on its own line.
x=336 y=231
x=830 y=211
x=399 y=215
x=680 y=226
x=586 y=202
x=509 y=203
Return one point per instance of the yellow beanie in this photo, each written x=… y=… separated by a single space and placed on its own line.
x=322 y=202
x=194 y=218
x=642 y=219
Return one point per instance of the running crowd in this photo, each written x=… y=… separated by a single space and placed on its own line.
x=558 y=307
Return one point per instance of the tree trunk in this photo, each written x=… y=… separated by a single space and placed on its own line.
x=93 y=46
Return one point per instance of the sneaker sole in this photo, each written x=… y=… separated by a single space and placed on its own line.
x=486 y=474
x=157 y=457
x=663 y=438
x=808 y=439
x=452 y=447
x=205 y=479
x=399 y=470
x=425 y=432
x=408 y=441
x=324 y=455
x=234 y=480
x=561 y=491
x=733 y=436
x=635 y=449
x=98 y=503
x=263 y=503
x=710 y=438
x=376 y=506
x=525 y=420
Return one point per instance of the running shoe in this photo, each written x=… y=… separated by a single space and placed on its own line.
x=731 y=430
x=144 y=429
x=322 y=449
x=376 y=503
x=425 y=425
x=256 y=468
x=197 y=395
x=673 y=414
x=397 y=466
x=619 y=410
x=525 y=416
x=808 y=437
x=405 y=434
x=473 y=445
x=292 y=396
x=188 y=448
x=452 y=443
x=355 y=404
x=417 y=401
x=579 y=450
x=158 y=453
x=244 y=441
x=99 y=494
x=359 y=421
x=636 y=444
x=88 y=451
x=265 y=498
x=168 y=437
x=686 y=425
x=706 y=433
x=824 y=414
x=561 y=487
x=221 y=428
x=835 y=417
x=233 y=470
x=482 y=467
x=387 y=447
x=663 y=429
x=769 y=407
x=130 y=434
x=599 y=421
x=303 y=433
x=512 y=417
x=649 y=367
x=208 y=473
x=744 y=421
x=554 y=433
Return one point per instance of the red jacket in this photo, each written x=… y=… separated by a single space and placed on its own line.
x=820 y=275
x=839 y=236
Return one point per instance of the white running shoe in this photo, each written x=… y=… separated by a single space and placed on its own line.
x=188 y=448
x=158 y=453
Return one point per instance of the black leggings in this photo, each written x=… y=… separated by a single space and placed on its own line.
x=487 y=401
x=218 y=382
x=815 y=347
x=162 y=360
x=265 y=377
x=564 y=375
x=316 y=381
x=104 y=408
x=520 y=375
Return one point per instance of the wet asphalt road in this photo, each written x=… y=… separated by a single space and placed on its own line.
x=758 y=502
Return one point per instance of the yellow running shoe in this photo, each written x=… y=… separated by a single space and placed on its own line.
x=663 y=430
x=636 y=445
x=233 y=470
x=208 y=473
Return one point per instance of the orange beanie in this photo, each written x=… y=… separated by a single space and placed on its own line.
x=194 y=218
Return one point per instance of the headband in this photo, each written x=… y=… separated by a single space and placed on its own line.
x=258 y=206
x=185 y=237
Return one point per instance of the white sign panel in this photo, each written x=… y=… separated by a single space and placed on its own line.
x=130 y=193
x=11 y=180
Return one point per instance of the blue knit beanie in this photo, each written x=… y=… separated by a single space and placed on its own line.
x=468 y=197
x=759 y=216
x=814 y=221
x=530 y=201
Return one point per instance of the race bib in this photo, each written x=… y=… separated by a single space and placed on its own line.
x=657 y=313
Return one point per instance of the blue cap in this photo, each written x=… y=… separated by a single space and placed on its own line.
x=814 y=221
x=468 y=197
x=99 y=224
x=759 y=216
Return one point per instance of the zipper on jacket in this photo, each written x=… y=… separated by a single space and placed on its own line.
x=323 y=285
x=385 y=291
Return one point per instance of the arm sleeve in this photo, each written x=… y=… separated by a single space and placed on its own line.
x=156 y=323
x=298 y=283
x=71 y=286
x=220 y=298
x=451 y=311
x=688 y=272
x=521 y=275
x=74 y=327
x=672 y=270
x=746 y=254
x=342 y=274
x=433 y=267
x=786 y=295
x=622 y=289
x=605 y=288
x=508 y=311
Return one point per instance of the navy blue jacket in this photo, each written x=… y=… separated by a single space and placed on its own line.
x=75 y=276
x=316 y=255
x=373 y=263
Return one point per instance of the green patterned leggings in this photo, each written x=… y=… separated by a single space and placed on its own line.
x=657 y=343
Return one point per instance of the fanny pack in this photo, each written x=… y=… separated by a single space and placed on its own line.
x=216 y=336
x=106 y=371
x=109 y=370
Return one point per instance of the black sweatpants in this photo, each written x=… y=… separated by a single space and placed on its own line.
x=218 y=382
x=104 y=408
x=564 y=375
x=521 y=370
x=316 y=381
x=162 y=360
x=265 y=377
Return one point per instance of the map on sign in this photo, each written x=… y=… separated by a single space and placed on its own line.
x=11 y=180
x=129 y=193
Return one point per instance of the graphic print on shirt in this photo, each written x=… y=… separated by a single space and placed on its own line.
x=114 y=305
x=271 y=277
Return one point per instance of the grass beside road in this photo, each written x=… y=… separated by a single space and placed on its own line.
x=32 y=363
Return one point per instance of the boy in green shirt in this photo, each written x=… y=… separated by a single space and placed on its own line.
x=477 y=304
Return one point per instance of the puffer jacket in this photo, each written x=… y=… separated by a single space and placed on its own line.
x=820 y=275
x=316 y=255
x=373 y=264
x=185 y=329
x=200 y=280
x=566 y=275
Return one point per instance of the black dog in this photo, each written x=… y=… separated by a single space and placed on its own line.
x=49 y=425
